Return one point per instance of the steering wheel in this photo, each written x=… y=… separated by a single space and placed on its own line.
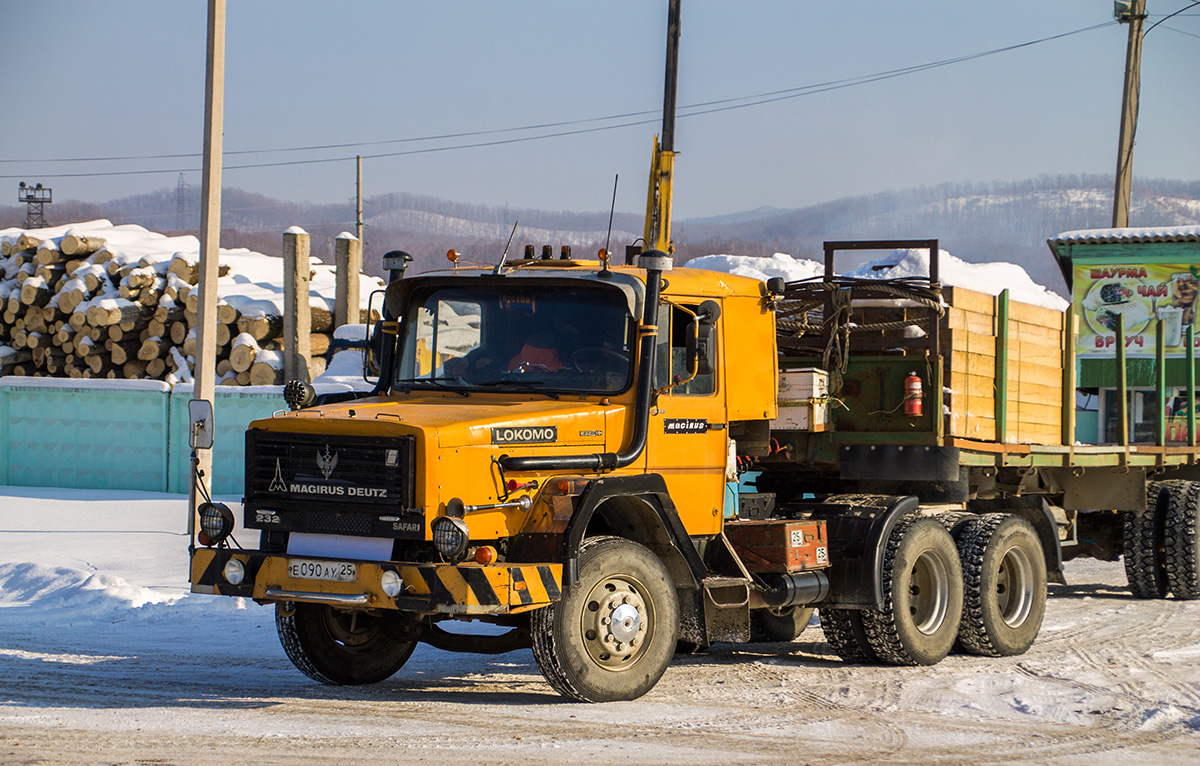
x=523 y=367
x=598 y=354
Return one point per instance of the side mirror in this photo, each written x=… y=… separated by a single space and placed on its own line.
x=701 y=348
x=374 y=340
x=373 y=352
x=203 y=428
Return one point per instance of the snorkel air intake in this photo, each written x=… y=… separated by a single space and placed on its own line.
x=655 y=262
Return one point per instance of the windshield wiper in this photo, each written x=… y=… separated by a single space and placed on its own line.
x=531 y=386
x=407 y=383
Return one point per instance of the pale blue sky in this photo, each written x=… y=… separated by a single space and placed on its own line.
x=126 y=77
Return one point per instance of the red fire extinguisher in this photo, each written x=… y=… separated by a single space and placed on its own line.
x=912 y=395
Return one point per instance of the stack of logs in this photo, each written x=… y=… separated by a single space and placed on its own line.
x=69 y=307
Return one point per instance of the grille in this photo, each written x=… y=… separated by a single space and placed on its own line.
x=332 y=485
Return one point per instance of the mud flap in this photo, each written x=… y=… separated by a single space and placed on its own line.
x=858 y=527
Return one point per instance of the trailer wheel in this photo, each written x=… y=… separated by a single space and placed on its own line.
x=336 y=646
x=779 y=625
x=1004 y=585
x=1142 y=545
x=612 y=634
x=1182 y=538
x=923 y=595
x=846 y=635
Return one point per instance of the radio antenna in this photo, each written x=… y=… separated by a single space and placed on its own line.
x=611 y=210
x=504 y=255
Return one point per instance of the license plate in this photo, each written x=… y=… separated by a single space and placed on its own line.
x=331 y=571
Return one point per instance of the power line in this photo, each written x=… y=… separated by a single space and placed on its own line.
x=1189 y=6
x=691 y=110
x=1180 y=31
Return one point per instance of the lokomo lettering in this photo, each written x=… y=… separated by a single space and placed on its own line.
x=525 y=435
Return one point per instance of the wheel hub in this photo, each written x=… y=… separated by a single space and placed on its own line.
x=616 y=623
x=1014 y=587
x=929 y=587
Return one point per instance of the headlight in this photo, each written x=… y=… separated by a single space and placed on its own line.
x=216 y=523
x=450 y=537
x=234 y=572
x=390 y=583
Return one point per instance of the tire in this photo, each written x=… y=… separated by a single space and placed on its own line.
x=845 y=633
x=922 y=593
x=780 y=625
x=1004 y=585
x=1142 y=545
x=336 y=646
x=612 y=635
x=954 y=521
x=1181 y=537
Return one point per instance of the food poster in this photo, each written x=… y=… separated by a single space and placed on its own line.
x=1140 y=294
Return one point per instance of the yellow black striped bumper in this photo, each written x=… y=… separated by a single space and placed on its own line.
x=428 y=588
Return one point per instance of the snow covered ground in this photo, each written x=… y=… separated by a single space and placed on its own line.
x=105 y=658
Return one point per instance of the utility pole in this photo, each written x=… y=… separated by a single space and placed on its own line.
x=1132 y=13
x=358 y=219
x=210 y=232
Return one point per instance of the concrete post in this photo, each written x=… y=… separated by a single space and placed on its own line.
x=210 y=236
x=347 y=258
x=297 y=313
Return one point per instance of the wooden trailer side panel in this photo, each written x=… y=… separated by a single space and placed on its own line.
x=984 y=355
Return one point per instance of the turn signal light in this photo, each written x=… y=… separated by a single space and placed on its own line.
x=452 y=255
x=485 y=554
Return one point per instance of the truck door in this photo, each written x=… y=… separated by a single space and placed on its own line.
x=689 y=434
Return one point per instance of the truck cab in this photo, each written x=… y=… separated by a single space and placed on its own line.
x=548 y=442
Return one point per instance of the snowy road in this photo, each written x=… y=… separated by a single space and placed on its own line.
x=104 y=659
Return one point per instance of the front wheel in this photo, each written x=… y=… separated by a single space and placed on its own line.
x=1004 y=574
x=923 y=595
x=612 y=634
x=338 y=646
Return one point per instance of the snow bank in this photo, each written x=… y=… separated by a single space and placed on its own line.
x=778 y=265
x=55 y=591
x=989 y=278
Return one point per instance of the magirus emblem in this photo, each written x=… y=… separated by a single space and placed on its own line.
x=278 y=484
x=327 y=462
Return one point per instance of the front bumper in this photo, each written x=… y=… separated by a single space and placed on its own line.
x=428 y=588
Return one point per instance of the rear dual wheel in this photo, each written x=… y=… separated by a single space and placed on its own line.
x=1004 y=585
x=923 y=599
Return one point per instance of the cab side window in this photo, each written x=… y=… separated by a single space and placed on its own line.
x=671 y=355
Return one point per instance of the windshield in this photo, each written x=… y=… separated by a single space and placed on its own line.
x=532 y=337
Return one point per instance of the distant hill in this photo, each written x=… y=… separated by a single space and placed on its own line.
x=978 y=222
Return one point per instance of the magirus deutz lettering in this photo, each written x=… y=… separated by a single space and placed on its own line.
x=336 y=490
